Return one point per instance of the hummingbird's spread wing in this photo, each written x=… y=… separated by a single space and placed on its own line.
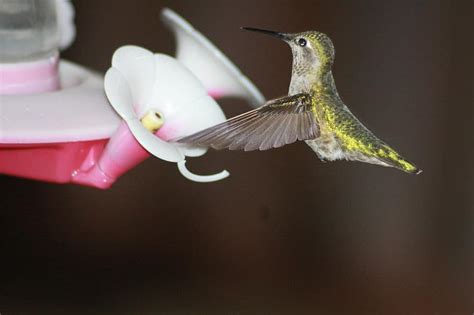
x=278 y=122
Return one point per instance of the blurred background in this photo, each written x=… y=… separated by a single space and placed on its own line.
x=285 y=234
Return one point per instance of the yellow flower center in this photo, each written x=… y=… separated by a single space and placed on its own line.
x=152 y=120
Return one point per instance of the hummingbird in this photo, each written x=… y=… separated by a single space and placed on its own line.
x=312 y=112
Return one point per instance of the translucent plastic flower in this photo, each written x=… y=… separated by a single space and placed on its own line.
x=160 y=99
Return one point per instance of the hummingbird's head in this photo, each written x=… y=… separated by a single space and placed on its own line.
x=313 y=52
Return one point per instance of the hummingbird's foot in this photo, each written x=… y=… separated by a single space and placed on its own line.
x=320 y=157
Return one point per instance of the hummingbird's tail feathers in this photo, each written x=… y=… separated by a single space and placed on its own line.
x=393 y=159
x=277 y=123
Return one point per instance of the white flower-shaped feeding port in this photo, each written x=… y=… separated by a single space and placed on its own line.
x=160 y=99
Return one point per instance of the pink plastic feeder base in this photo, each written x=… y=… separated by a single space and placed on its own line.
x=45 y=138
x=97 y=163
x=52 y=162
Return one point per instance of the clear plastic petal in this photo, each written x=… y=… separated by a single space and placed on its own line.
x=118 y=93
x=159 y=148
x=174 y=85
x=197 y=115
x=137 y=65
x=217 y=73
x=200 y=178
x=190 y=118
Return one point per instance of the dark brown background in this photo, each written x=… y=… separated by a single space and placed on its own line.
x=285 y=234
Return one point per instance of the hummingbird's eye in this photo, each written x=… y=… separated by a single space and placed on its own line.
x=302 y=42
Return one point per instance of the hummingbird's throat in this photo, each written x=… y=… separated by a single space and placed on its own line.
x=153 y=120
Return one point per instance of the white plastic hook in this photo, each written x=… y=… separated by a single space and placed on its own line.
x=200 y=178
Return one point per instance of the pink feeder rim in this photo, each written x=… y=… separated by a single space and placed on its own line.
x=30 y=77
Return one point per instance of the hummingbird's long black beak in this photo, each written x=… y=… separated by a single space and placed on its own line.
x=282 y=36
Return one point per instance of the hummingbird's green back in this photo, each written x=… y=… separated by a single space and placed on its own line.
x=356 y=142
